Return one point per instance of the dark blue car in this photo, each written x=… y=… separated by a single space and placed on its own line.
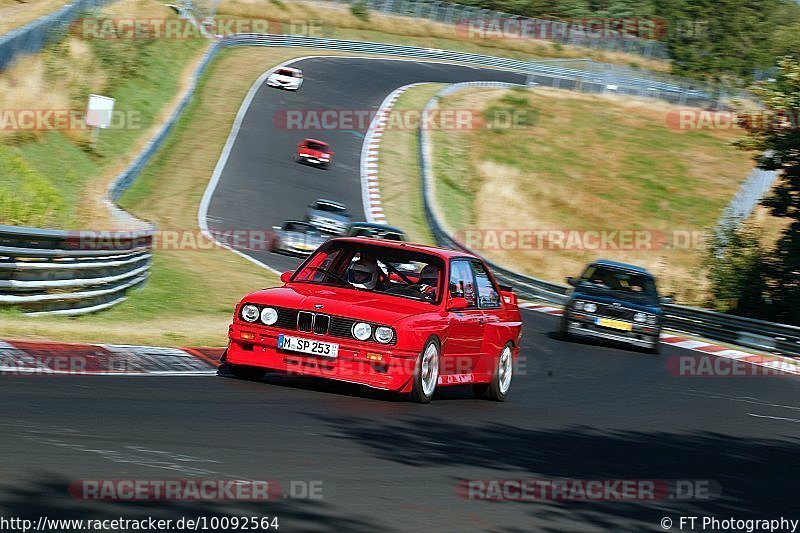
x=616 y=302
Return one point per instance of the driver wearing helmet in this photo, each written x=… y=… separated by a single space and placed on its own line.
x=363 y=273
x=429 y=281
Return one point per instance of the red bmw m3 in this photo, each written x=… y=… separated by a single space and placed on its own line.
x=385 y=314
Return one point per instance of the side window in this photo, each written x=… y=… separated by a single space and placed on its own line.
x=461 y=282
x=487 y=295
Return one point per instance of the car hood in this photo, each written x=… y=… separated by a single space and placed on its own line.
x=359 y=305
x=631 y=301
x=283 y=79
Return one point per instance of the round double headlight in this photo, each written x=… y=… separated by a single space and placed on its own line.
x=250 y=313
x=362 y=331
x=384 y=335
x=640 y=317
x=269 y=316
x=590 y=307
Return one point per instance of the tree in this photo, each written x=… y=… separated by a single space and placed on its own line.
x=775 y=132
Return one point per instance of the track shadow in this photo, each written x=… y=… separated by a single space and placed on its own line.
x=757 y=478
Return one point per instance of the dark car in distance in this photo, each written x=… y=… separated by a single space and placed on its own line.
x=616 y=302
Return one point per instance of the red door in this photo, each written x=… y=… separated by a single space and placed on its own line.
x=465 y=330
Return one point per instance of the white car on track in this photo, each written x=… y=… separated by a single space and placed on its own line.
x=286 y=78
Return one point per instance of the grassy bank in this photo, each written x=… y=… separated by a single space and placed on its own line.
x=56 y=178
x=586 y=162
x=15 y=14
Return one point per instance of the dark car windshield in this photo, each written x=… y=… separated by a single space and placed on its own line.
x=291 y=73
x=301 y=227
x=621 y=281
x=330 y=208
x=378 y=269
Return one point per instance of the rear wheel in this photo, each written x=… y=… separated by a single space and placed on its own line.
x=426 y=373
x=503 y=372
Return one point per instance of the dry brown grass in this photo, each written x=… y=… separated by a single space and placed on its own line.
x=591 y=162
x=341 y=24
x=15 y=14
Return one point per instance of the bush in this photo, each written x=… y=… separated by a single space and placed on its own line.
x=359 y=10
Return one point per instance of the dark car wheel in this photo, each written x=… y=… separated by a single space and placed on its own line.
x=562 y=328
x=426 y=372
x=655 y=348
x=501 y=378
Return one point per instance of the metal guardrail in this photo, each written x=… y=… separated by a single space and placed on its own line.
x=70 y=273
x=741 y=331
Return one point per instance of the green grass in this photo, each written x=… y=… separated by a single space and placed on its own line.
x=44 y=178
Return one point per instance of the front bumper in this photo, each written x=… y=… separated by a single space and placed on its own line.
x=310 y=160
x=585 y=325
x=393 y=372
x=290 y=86
x=329 y=227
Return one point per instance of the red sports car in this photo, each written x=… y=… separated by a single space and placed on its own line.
x=314 y=152
x=385 y=314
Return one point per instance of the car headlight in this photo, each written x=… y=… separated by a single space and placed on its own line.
x=590 y=307
x=269 y=316
x=579 y=305
x=250 y=313
x=651 y=319
x=362 y=331
x=640 y=317
x=384 y=335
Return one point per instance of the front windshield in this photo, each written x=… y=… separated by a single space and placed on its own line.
x=317 y=146
x=377 y=269
x=620 y=281
x=330 y=208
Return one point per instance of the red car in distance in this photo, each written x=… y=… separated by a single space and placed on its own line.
x=385 y=314
x=314 y=152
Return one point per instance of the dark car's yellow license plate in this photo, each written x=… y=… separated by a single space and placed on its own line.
x=614 y=324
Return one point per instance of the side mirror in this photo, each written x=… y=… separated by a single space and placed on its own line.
x=457 y=304
x=572 y=281
x=286 y=276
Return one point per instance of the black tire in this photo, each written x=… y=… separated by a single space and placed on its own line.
x=562 y=332
x=421 y=390
x=655 y=349
x=247 y=373
x=501 y=377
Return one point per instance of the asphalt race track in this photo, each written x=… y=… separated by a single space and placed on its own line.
x=575 y=410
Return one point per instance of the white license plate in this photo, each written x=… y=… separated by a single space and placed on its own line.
x=308 y=346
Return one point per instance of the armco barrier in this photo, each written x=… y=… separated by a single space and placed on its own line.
x=748 y=332
x=51 y=271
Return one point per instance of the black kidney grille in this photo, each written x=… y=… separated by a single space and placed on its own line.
x=304 y=321
x=321 y=324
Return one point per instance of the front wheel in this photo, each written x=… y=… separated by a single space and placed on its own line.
x=248 y=373
x=426 y=373
x=501 y=378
